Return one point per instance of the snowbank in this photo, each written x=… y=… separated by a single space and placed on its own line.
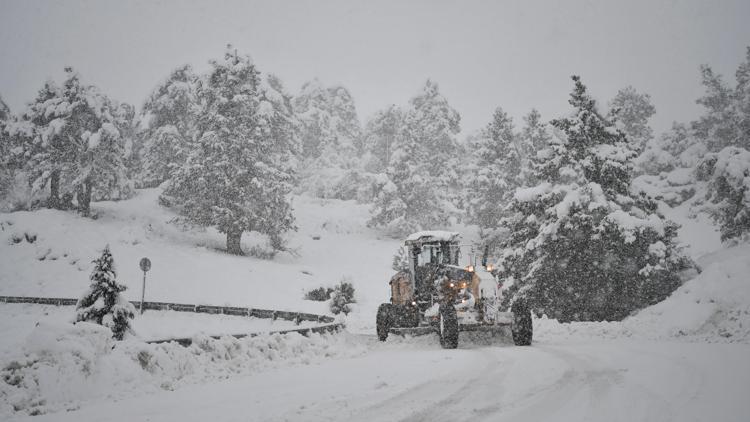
x=62 y=366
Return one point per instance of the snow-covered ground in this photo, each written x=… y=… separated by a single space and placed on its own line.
x=332 y=244
x=18 y=320
x=683 y=359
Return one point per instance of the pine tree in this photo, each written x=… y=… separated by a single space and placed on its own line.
x=329 y=121
x=728 y=192
x=380 y=135
x=433 y=125
x=167 y=126
x=632 y=110
x=422 y=183
x=237 y=176
x=103 y=303
x=497 y=160
x=76 y=143
x=330 y=138
x=4 y=111
x=534 y=137
x=6 y=173
x=581 y=246
x=716 y=127
x=741 y=106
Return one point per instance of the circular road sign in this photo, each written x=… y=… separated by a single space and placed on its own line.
x=145 y=264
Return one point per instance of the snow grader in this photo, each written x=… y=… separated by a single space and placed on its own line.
x=437 y=295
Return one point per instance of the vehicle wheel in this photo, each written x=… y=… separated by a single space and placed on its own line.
x=448 y=327
x=383 y=321
x=522 y=327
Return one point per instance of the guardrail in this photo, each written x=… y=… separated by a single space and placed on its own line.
x=297 y=317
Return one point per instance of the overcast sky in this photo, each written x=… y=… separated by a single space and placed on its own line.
x=484 y=54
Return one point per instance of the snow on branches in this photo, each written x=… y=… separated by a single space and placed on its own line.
x=103 y=303
x=582 y=245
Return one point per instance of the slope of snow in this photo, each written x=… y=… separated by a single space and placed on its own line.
x=682 y=359
x=332 y=244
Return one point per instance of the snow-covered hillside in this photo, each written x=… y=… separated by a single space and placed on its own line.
x=49 y=253
x=663 y=358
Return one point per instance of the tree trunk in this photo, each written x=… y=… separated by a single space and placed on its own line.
x=54 y=190
x=233 y=242
x=84 y=198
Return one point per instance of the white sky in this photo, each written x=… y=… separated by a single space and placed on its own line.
x=484 y=54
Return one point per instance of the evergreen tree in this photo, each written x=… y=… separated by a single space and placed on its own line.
x=534 y=137
x=330 y=137
x=632 y=110
x=380 y=135
x=237 y=177
x=497 y=165
x=422 y=183
x=728 y=192
x=77 y=144
x=582 y=246
x=741 y=107
x=4 y=111
x=716 y=127
x=433 y=125
x=102 y=303
x=167 y=126
x=328 y=120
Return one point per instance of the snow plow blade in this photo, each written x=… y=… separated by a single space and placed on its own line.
x=424 y=330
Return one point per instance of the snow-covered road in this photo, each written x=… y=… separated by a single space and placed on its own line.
x=415 y=380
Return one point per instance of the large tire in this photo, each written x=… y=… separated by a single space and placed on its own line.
x=384 y=321
x=448 y=327
x=522 y=327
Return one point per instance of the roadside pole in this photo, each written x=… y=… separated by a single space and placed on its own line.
x=145 y=266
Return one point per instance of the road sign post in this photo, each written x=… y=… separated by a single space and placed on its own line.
x=145 y=266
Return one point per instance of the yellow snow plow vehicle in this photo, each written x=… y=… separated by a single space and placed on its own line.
x=438 y=295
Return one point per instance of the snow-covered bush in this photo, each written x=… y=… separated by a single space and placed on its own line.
x=582 y=245
x=728 y=175
x=342 y=296
x=321 y=294
x=102 y=303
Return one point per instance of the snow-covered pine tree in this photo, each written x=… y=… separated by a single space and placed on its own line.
x=6 y=175
x=534 y=137
x=433 y=124
x=716 y=128
x=4 y=111
x=279 y=127
x=582 y=245
x=632 y=110
x=421 y=184
x=77 y=144
x=741 y=104
x=728 y=193
x=497 y=164
x=103 y=303
x=39 y=155
x=237 y=176
x=330 y=136
x=379 y=137
x=167 y=126
x=328 y=119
